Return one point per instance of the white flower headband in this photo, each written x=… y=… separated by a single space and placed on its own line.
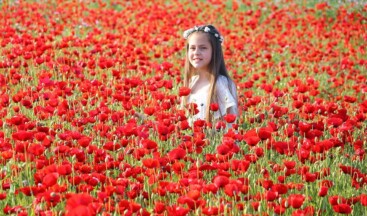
x=208 y=29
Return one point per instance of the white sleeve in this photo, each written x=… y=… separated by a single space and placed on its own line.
x=227 y=97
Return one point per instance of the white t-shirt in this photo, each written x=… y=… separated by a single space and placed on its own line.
x=226 y=98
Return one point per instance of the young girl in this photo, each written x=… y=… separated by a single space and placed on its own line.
x=206 y=75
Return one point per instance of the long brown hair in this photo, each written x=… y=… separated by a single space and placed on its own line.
x=216 y=66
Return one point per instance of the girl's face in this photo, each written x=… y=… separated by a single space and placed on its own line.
x=200 y=51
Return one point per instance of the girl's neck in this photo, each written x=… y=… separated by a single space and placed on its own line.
x=203 y=74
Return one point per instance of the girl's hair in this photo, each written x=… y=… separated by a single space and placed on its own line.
x=216 y=66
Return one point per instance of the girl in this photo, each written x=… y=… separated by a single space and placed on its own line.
x=206 y=75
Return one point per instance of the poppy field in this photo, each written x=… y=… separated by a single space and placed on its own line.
x=76 y=75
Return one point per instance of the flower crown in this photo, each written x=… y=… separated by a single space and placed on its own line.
x=205 y=28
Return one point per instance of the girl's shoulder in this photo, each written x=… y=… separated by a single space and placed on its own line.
x=222 y=80
x=225 y=85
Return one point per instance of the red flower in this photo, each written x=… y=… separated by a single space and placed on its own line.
x=342 y=208
x=177 y=210
x=64 y=169
x=265 y=133
x=22 y=135
x=350 y=99
x=289 y=164
x=184 y=125
x=210 y=211
x=2 y=196
x=223 y=149
x=149 y=144
x=363 y=199
x=296 y=200
x=304 y=127
x=194 y=194
x=84 y=141
x=280 y=188
x=214 y=107
x=335 y=200
x=221 y=181
x=159 y=207
x=162 y=129
x=335 y=121
x=50 y=179
x=79 y=204
x=151 y=163
x=251 y=138
x=231 y=189
x=184 y=91
x=36 y=149
x=267 y=184
x=176 y=154
x=323 y=191
x=271 y=195
x=310 y=177
x=230 y=118
x=149 y=110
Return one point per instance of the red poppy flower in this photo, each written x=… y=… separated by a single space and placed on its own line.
x=210 y=211
x=363 y=199
x=177 y=210
x=220 y=181
x=36 y=149
x=22 y=135
x=289 y=164
x=194 y=194
x=65 y=169
x=159 y=207
x=304 y=127
x=210 y=188
x=2 y=196
x=50 y=179
x=342 y=208
x=231 y=190
x=335 y=121
x=336 y=199
x=271 y=196
x=230 y=118
x=176 y=154
x=264 y=133
x=149 y=110
x=214 y=107
x=84 y=141
x=220 y=125
x=184 y=91
x=151 y=163
x=296 y=200
x=162 y=129
x=223 y=149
